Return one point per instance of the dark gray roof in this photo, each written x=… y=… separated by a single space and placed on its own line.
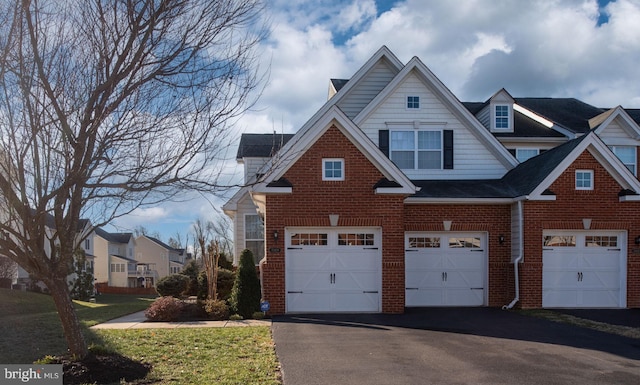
x=338 y=83
x=528 y=175
x=524 y=127
x=113 y=237
x=521 y=180
x=634 y=113
x=569 y=113
x=261 y=145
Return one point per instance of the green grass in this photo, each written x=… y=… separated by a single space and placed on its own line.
x=242 y=355
x=30 y=329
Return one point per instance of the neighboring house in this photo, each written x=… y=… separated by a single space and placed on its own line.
x=125 y=261
x=395 y=194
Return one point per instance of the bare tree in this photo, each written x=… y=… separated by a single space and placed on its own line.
x=8 y=268
x=222 y=228
x=107 y=106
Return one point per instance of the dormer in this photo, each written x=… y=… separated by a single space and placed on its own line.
x=501 y=112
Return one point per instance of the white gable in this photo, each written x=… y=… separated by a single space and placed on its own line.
x=477 y=154
x=616 y=128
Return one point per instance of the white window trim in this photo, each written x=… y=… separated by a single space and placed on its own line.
x=509 y=127
x=406 y=103
x=416 y=150
x=635 y=156
x=590 y=173
x=324 y=163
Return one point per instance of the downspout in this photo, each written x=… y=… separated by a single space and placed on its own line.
x=519 y=258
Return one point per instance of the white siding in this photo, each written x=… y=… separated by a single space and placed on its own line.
x=614 y=134
x=484 y=116
x=245 y=206
x=367 y=89
x=472 y=160
x=252 y=166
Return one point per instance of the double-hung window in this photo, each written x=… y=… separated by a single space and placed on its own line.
x=254 y=236
x=627 y=154
x=502 y=117
x=416 y=149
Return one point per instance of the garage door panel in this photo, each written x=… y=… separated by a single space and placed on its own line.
x=309 y=302
x=423 y=278
x=325 y=275
x=464 y=297
x=469 y=279
x=588 y=274
x=311 y=259
x=355 y=302
x=445 y=269
x=357 y=280
x=424 y=297
x=309 y=280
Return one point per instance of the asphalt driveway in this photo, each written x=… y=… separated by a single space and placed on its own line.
x=449 y=346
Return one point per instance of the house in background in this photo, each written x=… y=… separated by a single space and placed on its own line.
x=254 y=152
x=395 y=194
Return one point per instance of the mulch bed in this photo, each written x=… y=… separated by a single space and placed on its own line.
x=101 y=369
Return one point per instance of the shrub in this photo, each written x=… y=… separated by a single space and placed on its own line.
x=225 y=284
x=164 y=309
x=224 y=262
x=173 y=285
x=217 y=310
x=192 y=271
x=235 y=317
x=246 y=293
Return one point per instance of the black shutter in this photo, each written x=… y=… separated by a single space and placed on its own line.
x=383 y=141
x=447 y=139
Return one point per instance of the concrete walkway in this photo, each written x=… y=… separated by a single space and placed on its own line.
x=138 y=321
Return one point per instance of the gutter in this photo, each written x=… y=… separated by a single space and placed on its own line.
x=519 y=258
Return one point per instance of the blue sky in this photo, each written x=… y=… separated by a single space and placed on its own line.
x=585 y=49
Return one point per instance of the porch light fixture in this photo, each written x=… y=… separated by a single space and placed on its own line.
x=500 y=239
x=637 y=240
x=275 y=235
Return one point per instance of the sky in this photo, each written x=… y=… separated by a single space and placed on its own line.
x=586 y=49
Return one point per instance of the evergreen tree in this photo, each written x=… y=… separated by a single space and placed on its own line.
x=246 y=292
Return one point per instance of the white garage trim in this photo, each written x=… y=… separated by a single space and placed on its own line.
x=333 y=269
x=584 y=269
x=445 y=269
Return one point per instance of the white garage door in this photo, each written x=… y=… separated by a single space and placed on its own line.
x=445 y=269
x=333 y=270
x=583 y=269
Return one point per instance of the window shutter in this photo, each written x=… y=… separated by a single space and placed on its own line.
x=383 y=141
x=447 y=139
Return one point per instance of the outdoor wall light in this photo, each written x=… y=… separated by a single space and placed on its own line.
x=501 y=239
x=637 y=240
x=275 y=235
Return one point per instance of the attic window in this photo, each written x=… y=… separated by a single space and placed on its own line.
x=332 y=169
x=413 y=102
x=584 y=179
x=502 y=117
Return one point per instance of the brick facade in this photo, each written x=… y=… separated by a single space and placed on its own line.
x=601 y=205
x=353 y=199
x=357 y=204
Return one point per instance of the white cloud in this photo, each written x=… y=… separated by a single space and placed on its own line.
x=534 y=48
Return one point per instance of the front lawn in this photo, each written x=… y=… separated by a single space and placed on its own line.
x=237 y=355
x=30 y=329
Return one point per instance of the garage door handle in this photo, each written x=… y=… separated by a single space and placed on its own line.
x=370 y=291
x=294 y=292
x=613 y=249
x=477 y=288
x=294 y=248
x=370 y=248
x=411 y=288
x=477 y=250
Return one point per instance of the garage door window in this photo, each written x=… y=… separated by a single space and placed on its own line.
x=601 y=241
x=466 y=243
x=309 y=239
x=559 y=241
x=424 y=242
x=355 y=239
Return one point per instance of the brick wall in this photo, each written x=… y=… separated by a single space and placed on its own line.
x=353 y=199
x=601 y=205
